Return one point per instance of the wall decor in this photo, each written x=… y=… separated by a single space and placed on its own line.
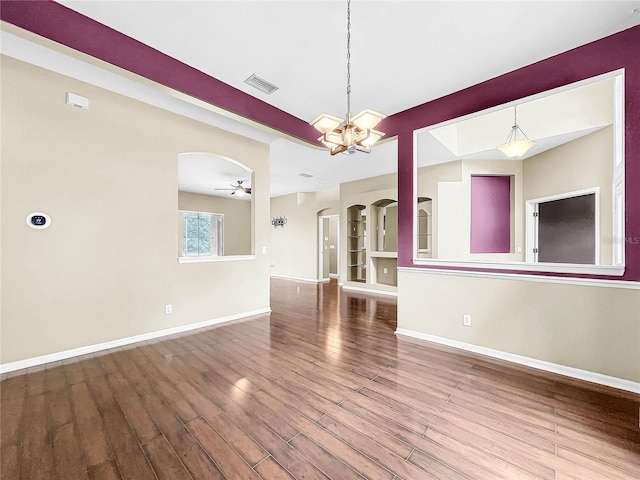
x=278 y=221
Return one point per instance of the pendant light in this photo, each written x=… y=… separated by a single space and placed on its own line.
x=353 y=133
x=517 y=143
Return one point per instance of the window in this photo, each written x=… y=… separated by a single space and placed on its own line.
x=202 y=234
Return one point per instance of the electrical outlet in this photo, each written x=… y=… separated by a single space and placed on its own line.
x=168 y=309
x=466 y=320
x=384 y=269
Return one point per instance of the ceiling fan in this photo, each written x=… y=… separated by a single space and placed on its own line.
x=238 y=189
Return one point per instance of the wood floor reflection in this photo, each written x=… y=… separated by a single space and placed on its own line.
x=321 y=388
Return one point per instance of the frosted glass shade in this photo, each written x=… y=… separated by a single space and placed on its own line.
x=517 y=148
x=325 y=122
x=368 y=119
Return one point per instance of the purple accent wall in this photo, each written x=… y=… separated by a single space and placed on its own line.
x=68 y=27
x=622 y=50
x=490 y=214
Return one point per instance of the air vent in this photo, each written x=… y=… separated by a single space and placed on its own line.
x=305 y=175
x=261 y=84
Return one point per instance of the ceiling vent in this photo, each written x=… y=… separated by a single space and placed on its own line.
x=305 y=175
x=261 y=84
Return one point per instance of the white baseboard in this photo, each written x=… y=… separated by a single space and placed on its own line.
x=586 y=375
x=334 y=275
x=75 y=352
x=299 y=279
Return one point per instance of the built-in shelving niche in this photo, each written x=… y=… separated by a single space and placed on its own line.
x=357 y=243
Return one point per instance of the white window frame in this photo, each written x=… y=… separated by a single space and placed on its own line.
x=219 y=232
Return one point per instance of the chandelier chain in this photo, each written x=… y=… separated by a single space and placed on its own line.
x=348 y=59
x=348 y=136
x=515 y=115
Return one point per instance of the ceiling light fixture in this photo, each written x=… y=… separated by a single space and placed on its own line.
x=353 y=133
x=517 y=143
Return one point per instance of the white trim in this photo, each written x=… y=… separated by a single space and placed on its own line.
x=334 y=275
x=588 y=282
x=615 y=270
x=213 y=258
x=300 y=279
x=564 y=370
x=531 y=233
x=576 y=268
x=370 y=290
x=378 y=254
x=75 y=352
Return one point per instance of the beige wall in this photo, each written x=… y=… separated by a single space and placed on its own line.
x=391 y=230
x=583 y=163
x=107 y=176
x=587 y=327
x=237 y=219
x=294 y=247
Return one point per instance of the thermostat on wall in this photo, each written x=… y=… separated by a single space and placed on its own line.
x=38 y=220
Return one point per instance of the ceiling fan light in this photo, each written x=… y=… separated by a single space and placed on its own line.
x=325 y=122
x=368 y=119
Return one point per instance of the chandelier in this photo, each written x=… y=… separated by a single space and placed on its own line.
x=517 y=143
x=352 y=133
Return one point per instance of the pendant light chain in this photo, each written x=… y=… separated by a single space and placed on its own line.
x=515 y=115
x=349 y=61
x=349 y=135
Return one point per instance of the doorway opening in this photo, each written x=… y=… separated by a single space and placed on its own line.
x=328 y=246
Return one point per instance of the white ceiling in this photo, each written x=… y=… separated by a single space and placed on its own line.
x=550 y=119
x=404 y=53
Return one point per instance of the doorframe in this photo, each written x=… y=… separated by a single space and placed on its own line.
x=320 y=243
x=532 y=221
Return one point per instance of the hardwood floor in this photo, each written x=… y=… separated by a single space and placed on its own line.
x=321 y=388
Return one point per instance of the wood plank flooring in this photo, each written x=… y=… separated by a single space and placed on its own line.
x=321 y=388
